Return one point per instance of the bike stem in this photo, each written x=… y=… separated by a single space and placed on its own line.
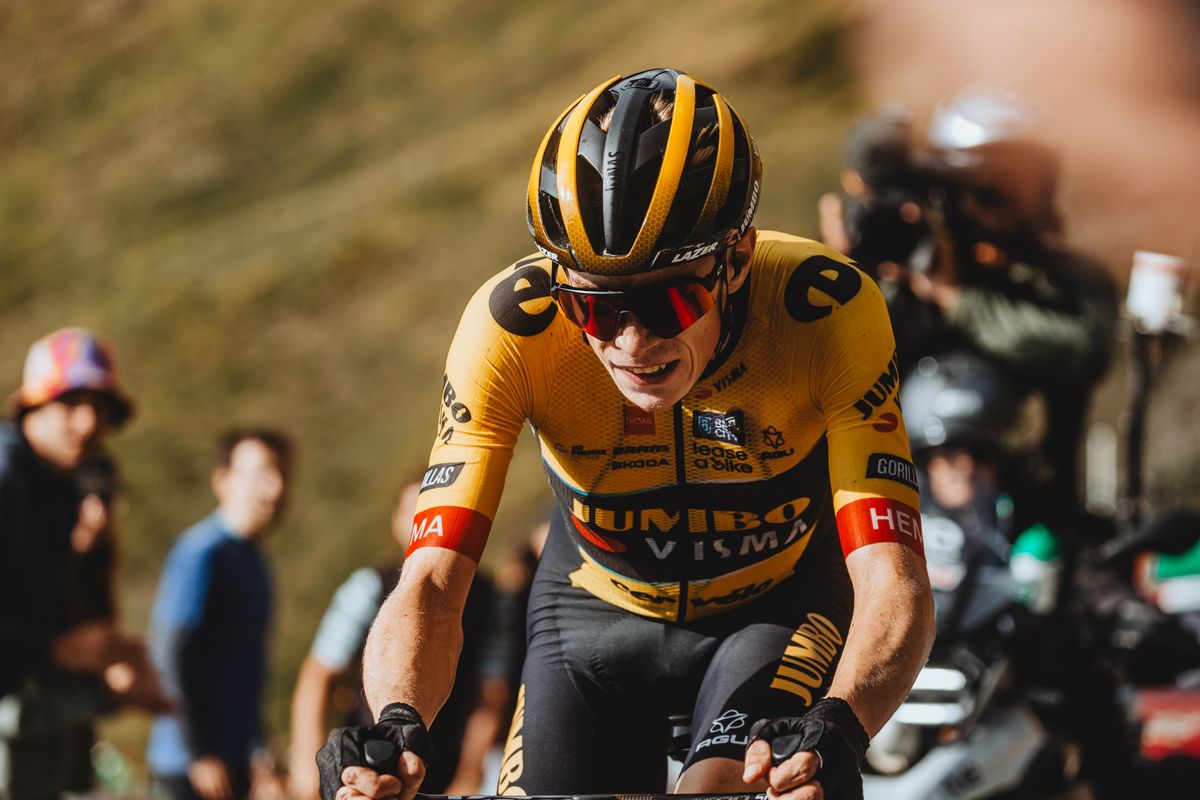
x=1147 y=349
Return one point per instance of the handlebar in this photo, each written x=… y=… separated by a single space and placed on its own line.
x=382 y=756
x=662 y=796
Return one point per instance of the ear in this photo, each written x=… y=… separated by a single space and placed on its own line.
x=739 y=260
x=218 y=481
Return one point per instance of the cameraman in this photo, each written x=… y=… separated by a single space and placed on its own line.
x=964 y=237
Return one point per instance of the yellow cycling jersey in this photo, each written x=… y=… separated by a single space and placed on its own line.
x=793 y=432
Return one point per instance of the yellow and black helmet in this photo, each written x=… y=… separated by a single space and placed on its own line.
x=643 y=172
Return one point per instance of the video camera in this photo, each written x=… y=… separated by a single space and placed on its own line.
x=989 y=198
x=901 y=201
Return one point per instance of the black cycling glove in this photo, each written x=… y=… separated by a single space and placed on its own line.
x=832 y=731
x=399 y=724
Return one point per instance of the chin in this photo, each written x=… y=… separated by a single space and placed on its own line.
x=652 y=401
x=70 y=459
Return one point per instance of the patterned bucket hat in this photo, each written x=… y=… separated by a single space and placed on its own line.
x=65 y=361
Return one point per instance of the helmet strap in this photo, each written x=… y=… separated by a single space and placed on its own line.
x=732 y=319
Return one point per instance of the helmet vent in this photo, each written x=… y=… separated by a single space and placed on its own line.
x=552 y=220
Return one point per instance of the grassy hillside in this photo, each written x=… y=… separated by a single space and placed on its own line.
x=278 y=210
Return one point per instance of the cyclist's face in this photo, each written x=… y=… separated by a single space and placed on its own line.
x=654 y=373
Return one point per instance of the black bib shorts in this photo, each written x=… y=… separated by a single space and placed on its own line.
x=599 y=683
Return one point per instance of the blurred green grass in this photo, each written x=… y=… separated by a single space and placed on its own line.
x=277 y=211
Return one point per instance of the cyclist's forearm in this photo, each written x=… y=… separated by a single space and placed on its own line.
x=414 y=645
x=890 y=635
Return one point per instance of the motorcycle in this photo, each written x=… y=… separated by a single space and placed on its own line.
x=970 y=727
x=1036 y=659
x=975 y=723
x=1161 y=660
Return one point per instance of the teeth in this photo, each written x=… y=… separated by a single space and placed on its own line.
x=646 y=370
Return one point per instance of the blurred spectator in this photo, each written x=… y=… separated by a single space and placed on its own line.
x=474 y=716
x=514 y=582
x=514 y=579
x=210 y=626
x=64 y=660
x=965 y=237
x=93 y=540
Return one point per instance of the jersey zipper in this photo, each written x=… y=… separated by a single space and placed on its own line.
x=681 y=481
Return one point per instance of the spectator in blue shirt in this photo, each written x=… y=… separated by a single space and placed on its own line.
x=210 y=626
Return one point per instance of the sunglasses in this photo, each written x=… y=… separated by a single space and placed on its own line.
x=666 y=309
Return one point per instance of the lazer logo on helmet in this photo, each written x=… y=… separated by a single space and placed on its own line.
x=694 y=253
x=666 y=258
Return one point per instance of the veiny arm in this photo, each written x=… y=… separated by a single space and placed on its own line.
x=891 y=632
x=413 y=648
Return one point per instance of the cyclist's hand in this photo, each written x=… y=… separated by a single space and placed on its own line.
x=386 y=759
x=805 y=758
x=793 y=779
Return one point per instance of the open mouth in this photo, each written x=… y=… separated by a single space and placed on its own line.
x=656 y=373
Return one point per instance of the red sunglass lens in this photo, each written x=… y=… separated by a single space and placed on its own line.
x=671 y=310
x=666 y=311
x=595 y=315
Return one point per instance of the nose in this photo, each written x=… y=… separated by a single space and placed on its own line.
x=632 y=335
x=271 y=486
x=85 y=420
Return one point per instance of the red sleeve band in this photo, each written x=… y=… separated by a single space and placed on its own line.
x=462 y=530
x=878 y=519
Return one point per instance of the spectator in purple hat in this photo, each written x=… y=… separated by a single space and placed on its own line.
x=59 y=669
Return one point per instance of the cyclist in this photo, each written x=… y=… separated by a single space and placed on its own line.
x=716 y=411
